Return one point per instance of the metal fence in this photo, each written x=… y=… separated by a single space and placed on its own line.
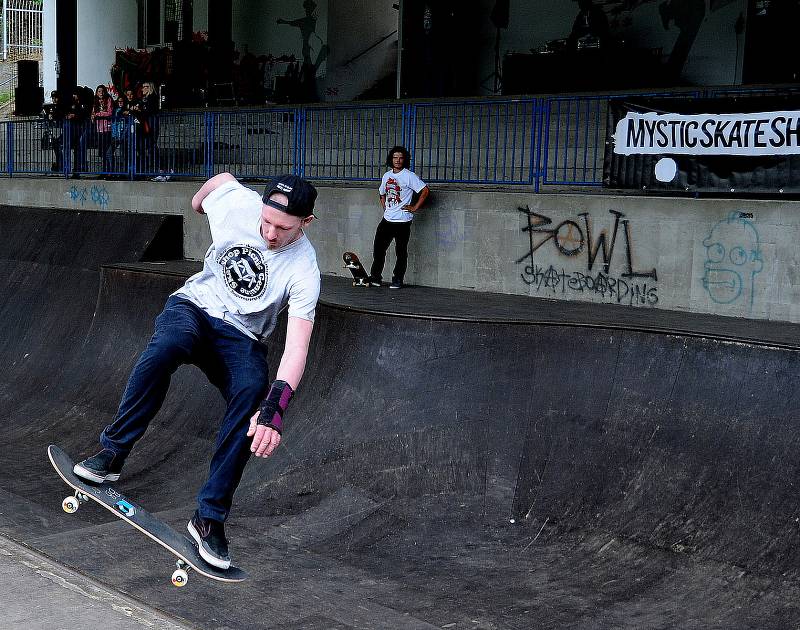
x=574 y=136
x=349 y=142
x=530 y=141
x=22 y=29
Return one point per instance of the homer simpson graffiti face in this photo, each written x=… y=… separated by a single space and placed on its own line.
x=733 y=258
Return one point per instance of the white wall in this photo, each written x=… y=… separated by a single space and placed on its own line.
x=255 y=27
x=371 y=21
x=49 y=77
x=100 y=32
x=714 y=58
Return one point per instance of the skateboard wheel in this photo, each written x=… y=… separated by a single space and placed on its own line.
x=179 y=578
x=70 y=505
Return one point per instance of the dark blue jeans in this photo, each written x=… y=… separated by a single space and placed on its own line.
x=232 y=361
x=388 y=230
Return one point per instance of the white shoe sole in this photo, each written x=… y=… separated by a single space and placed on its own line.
x=205 y=555
x=85 y=473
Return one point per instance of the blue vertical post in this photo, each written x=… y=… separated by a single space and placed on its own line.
x=66 y=156
x=208 y=162
x=130 y=158
x=412 y=132
x=404 y=124
x=299 y=142
x=537 y=139
x=9 y=149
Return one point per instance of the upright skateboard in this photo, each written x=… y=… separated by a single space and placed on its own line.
x=360 y=275
x=181 y=546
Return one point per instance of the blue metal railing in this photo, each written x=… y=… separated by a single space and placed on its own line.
x=574 y=136
x=350 y=141
x=475 y=141
x=527 y=141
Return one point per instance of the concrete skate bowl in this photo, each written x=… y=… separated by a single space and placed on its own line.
x=435 y=473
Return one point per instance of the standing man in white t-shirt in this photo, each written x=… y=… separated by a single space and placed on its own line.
x=396 y=191
x=260 y=261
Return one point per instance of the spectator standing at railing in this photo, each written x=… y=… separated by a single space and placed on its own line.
x=396 y=191
x=102 y=110
x=130 y=97
x=53 y=115
x=145 y=111
x=120 y=130
x=77 y=116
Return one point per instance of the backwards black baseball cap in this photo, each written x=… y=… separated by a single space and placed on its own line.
x=300 y=193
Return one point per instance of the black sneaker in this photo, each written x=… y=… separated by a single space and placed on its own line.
x=105 y=466
x=396 y=284
x=374 y=283
x=211 y=542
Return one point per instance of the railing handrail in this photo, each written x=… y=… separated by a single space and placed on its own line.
x=512 y=141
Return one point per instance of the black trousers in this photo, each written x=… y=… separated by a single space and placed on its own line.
x=401 y=233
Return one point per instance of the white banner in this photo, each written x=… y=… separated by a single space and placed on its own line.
x=762 y=133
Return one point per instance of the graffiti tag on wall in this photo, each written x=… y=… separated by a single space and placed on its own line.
x=570 y=238
x=733 y=258
x=559 y=281
x=98 y=194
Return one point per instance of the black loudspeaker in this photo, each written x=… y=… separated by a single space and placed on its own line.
x=28 y=101
x=27 y=73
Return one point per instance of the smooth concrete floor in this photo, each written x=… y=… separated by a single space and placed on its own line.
x=37 y=594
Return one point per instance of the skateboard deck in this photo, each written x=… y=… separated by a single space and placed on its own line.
x=360 y=275
x=183 y=547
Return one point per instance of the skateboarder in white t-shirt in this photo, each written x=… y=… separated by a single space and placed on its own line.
x=396 y=191
x=259 y=261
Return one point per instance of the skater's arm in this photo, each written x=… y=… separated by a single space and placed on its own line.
x=383 y=202
x=423 y=195
x=295 y=351
x=266 y=435
x=207 y=188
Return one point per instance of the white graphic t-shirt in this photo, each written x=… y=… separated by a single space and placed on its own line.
x=242 y=281
x=399 y=188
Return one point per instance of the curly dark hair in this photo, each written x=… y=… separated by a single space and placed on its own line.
x=398 y=149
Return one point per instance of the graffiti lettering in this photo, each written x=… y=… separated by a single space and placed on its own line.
x=98 y=194
x=569 y=239
x=613 y=289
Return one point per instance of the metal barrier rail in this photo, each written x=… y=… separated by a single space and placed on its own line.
x=482 y=142
x=574 y=137
x=751 y=92
x=350 y=141
x=21 y=28
x=553 y=141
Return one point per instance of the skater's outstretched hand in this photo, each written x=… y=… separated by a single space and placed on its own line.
x=265 y=439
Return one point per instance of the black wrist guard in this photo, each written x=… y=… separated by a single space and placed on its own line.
x=271 y=410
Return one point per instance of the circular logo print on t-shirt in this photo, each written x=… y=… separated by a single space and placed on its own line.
x=245 y=271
